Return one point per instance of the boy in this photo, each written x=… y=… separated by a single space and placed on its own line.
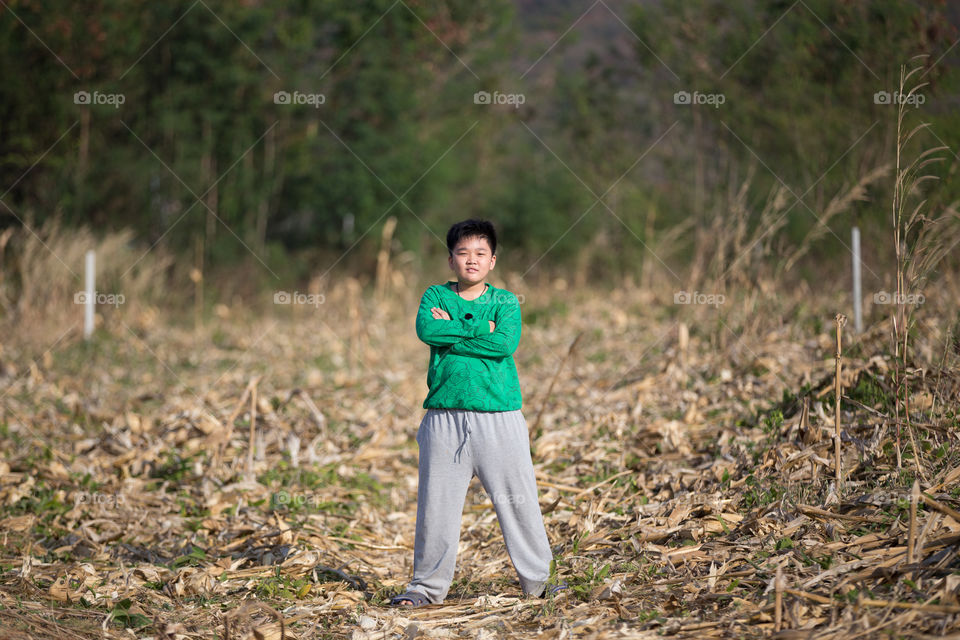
x=473 y=425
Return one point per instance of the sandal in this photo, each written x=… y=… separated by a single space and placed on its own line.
x=415 y=598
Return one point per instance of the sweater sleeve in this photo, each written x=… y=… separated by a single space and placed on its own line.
x=504 y=339
x=443 y=333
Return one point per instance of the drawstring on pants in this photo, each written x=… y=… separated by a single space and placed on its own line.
x=457 y=455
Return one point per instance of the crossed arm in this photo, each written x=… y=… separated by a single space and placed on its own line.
x=474 y=337
x=439 y=332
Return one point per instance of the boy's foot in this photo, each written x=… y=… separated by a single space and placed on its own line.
x=551 y=590
x=409 y=599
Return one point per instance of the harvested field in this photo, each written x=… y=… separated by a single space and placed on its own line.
x=257 y=478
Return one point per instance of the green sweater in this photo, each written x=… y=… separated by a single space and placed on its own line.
x=470 y=366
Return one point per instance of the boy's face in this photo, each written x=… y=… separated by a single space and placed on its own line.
x=472 y=259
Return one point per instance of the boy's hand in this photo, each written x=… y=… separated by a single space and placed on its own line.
x=493 y=325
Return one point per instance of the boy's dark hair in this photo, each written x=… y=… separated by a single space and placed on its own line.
x=469 y=229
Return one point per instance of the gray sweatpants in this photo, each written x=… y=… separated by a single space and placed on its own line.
x=454 y=446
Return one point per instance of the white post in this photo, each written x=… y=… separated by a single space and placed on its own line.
x=857 y=295
x=90 y=300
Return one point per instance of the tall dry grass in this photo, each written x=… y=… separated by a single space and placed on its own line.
x=43 y=270
x=921 y=243
x=742 y=250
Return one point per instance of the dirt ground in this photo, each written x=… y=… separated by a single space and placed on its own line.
x=685 y=459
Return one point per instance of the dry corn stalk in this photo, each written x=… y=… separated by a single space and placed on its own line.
x=838 y=394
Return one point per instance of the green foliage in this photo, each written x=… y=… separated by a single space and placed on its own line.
x=869 y=392
x=47 y=503
x=283 y=587
x=198 y=83
x=579 y=175
x=592 y=577
x=772 y=423
x=121 y=614
x=297 y=489
x=760 y=494
x=174 y=466
x=193 y=558
x=799 y=82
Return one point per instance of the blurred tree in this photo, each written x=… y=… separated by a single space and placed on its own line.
x=200 y=149
x=799 y=82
